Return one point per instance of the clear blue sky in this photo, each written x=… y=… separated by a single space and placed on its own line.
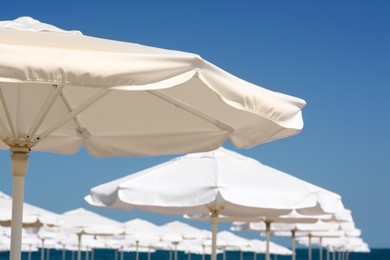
x=334 y=54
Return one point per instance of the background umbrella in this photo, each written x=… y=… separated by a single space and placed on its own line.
x=142 y=233
x=61 y=90
x=81 y=221
x=267 y=225
x=33 y=216
x=218 y=181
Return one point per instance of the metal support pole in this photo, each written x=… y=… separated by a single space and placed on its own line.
x=214 y=223
x=19 y=159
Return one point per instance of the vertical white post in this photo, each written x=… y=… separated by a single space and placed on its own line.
x=293 y=244
x=136 y=250
x=309 y=247
x=79 y=246
x=149 y=253
x=214 y=225
x=268 y=236
x=19 y=158
x=204 y=253
x=63 y=252
x=42 y=249
x=175 y=248
x=320 y=248
x=29 y=252
x=327 y=253
x=121 y=257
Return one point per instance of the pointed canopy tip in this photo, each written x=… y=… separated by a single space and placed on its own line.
x=26 y=23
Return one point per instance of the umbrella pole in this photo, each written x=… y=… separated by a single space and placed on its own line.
x=149 y=253
x=268 y=234
x=42 y=249
x=293 y=244
x=19 y=159
x=79 y=246
x=320 y=248
x=63 y=252
x=309 y=250
x=214 y=223
x=136 y=250
x=29 y=252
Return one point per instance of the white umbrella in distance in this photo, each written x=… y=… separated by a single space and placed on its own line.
x=33 y=216
x=142 y=233
x=81 y=221
x=61 y=90
x=220 y=181
x=268 y=225
x=176 y=232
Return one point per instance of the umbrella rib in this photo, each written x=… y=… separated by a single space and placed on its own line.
x=192 y=110
x=72 y=114
x=70 y=109
x=7 y=115
x=55 y=91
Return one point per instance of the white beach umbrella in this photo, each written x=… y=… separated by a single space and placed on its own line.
x=81 y=221
x=272 y=223
x=213 y=182
x=141 y=233
x=61 y=90
x=176 y=232
x=227 y=241
x=260 y=247
x=33 y=216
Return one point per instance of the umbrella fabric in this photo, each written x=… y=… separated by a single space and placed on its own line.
x=119 y=98
x=32 y=216
x=141 y=231
x=237 y=185
x=220 y=181
x=81 y=221
x=179 y=231
x=61 y=90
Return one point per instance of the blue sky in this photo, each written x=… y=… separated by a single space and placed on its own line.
x=334 y=54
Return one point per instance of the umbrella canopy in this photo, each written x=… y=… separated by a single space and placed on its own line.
x=61 y=90
x=178 y=231
x=218 y=181
x=33 y=216
x=222 y=180
x=141 y=231
x=81 y=221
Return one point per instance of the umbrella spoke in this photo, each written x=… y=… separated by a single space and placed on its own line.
x=66 y=102
x=6 y=111
x=72 y=115
x=192 y=110
x=55 y=91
